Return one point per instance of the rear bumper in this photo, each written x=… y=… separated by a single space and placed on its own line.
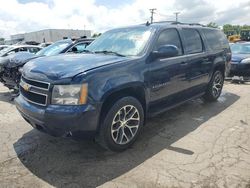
x=239 y=69
x=61 y=121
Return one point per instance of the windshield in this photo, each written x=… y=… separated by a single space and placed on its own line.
x=55 y=48
x=5 y=50
x=240 y=49
x=127 y=42
x=3 y=47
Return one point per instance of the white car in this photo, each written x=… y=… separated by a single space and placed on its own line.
x=19 y=48
x=3 y=46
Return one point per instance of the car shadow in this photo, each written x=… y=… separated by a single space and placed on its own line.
x=65 y=162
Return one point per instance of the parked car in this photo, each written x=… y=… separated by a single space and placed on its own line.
x=240 y=63
x=3 y=47
x=12 y=66
x=124 y=76
x=19 y=48
x=45 y=44
x=4 y=53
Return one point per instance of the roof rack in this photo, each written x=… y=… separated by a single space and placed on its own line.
x=179 y=23
x=194 y=24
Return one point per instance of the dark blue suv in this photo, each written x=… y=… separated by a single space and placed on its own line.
x=124 y=76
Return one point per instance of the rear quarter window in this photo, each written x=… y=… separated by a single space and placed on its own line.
x=216 y=39
x=193 y=42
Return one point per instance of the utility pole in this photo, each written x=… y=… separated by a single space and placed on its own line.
x=176 y=16
x=84 y=30
x=152 y=10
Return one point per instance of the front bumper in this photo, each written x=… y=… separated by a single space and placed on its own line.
x=11 y=78
x=61 y=121
x=239 y=69
x=1 y=74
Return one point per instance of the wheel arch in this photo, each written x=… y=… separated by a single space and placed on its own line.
x=219 y=64
x=135 y=90
x=220 y=67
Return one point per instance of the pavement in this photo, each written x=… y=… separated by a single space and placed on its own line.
x=194 y=145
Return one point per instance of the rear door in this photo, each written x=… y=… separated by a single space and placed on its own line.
x=199 y=62
x=168 y=78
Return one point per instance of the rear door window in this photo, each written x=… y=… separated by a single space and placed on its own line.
x=193 y=42
x=170 y=37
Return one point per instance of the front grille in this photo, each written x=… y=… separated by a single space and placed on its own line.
x=43 y=85
x=34 y=91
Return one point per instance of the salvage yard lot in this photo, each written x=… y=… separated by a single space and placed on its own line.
x=194 y=145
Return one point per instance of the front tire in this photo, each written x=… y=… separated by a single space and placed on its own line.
x=215 y=86
x=121 y=125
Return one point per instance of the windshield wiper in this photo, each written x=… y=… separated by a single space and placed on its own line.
x=109 y=52
x=87 y=51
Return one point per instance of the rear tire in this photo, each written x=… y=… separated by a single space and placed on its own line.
x=215 y=86
x=121 y=125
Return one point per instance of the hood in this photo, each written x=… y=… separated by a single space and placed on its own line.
x=239 y=57
x=19 y=59
x=67 y=65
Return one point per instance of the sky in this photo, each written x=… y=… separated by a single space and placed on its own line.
x=19 y=16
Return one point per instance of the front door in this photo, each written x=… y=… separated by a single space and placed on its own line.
x=168 y=76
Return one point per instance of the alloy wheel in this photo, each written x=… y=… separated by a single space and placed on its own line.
x=217 y=84
x=125 y=124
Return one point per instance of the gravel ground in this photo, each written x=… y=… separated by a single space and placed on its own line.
x=194 y=145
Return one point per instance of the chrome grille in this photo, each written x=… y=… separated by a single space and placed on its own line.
x=34 y=91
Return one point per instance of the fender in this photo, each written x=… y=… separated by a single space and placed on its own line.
x=124 y=86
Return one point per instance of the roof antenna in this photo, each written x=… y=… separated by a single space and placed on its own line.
x=147 y=23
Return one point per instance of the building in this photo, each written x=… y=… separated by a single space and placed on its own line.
x=15 y=39
x=49 y=35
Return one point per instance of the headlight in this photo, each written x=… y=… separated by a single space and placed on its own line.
x=247 y=60
x=70 y=94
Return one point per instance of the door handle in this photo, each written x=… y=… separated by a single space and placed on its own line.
x=206 y=61
x=184 y=63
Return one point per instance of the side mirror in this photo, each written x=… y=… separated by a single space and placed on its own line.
x=166 y=51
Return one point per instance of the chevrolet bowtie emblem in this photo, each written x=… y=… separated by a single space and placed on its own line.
x=26 y=87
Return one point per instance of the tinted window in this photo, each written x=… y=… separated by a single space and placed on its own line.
x=170 y=37
x=215 y=39
x=193 y=41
